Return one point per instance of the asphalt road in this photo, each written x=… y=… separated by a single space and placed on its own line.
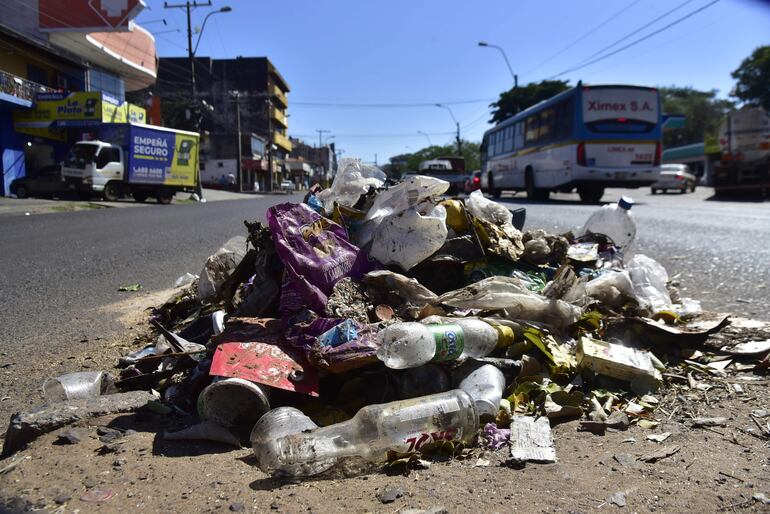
x=58 y=269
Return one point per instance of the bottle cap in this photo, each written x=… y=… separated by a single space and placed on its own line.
x=625 y=202
x=505 y=336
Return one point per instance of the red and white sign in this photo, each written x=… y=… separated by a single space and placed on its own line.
x=612 y=103
x=87 y=15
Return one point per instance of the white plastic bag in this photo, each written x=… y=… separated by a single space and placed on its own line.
x=351 y=181
x=486 y=209
x=410 y=192
x=649 y=279
x=411 y=236
x=611 y=288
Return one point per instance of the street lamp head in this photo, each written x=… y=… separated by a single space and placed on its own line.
x=226 y=8
x=483 y=43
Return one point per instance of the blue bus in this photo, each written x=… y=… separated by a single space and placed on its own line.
x=586 y=138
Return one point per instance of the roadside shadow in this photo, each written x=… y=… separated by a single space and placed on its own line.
x=513 y=200
x=757 y=197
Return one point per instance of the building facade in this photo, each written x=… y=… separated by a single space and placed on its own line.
x=322 y=160
x=90 y=51
x=245 y=95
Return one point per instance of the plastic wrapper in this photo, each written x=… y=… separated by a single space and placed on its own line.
x=353 y=179
x=408 y=289
x=316 y=253
x=494 y=437
x=350 y=355
x=411 y=236
x=486 y=209
x=510 y=295
x=649 y=280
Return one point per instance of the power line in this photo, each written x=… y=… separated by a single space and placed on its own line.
x=637 y=41
x=374 y=105
x=636 y=31
x=584 y=36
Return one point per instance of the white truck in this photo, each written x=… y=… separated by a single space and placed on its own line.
x=744 y=143
x=138 y=160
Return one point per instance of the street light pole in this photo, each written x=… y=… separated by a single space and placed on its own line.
x=457 y=124
x=426 y=136
x=188 y=6
x=515 y=77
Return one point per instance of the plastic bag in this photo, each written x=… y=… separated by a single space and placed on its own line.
x=408 y=289
x=411 y=236
x=611 y=288
x=219 y=266
x=402 y=196
x=649 y=282
x=316 y=253
x=488 y=210
x=351 y=181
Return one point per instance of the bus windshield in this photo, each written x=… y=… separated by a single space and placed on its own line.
x=620 y=110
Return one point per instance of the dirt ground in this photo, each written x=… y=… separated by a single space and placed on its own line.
x=712 y=469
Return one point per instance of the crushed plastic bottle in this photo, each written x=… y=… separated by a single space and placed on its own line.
x=408 y=345
x=615 y=221
x=403 y=426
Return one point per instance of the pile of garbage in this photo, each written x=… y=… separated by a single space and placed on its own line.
x=379 y=320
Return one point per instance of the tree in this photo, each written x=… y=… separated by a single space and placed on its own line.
x=410 y=162
x=753 y=78
x=702 y=110
x=517 y=99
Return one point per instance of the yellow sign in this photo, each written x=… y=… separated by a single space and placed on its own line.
x=79 y=109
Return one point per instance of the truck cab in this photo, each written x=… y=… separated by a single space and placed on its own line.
x=95 y=166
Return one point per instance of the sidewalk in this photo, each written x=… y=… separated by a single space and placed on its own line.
x=29 y=206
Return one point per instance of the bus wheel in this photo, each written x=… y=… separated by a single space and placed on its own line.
x=590 y=194
x=111 y=191
x=534 y=193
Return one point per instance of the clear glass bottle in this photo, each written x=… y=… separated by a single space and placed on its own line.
x=403 y=426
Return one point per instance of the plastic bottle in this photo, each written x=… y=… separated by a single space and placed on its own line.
x=408 y=345
x=615 y=221
x=403 y=426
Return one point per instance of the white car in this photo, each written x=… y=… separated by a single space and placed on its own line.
x=675 y=176
x=288 y=185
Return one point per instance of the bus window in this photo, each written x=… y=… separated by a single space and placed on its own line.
x=564 y=115
x=545 y=130
x=530 y=132
x=518 y=135
x=491 y=145
x=508 y=141
x=499 y=142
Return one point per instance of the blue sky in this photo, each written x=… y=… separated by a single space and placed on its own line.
x=425 y=51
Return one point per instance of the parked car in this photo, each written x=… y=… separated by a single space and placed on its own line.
x=288 y=185
x=45 y=181
x=675 y=176
x=473 y=182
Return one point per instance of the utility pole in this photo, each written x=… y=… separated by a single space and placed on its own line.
x=459 y=141
x=188 y=6
x=240 y=143
x=375 y=159
x=269 y=104
x=320 y=136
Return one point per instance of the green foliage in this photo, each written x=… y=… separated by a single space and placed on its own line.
x=517 y=99
x=703 y=113
x=410 y=162
x=753 y=78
